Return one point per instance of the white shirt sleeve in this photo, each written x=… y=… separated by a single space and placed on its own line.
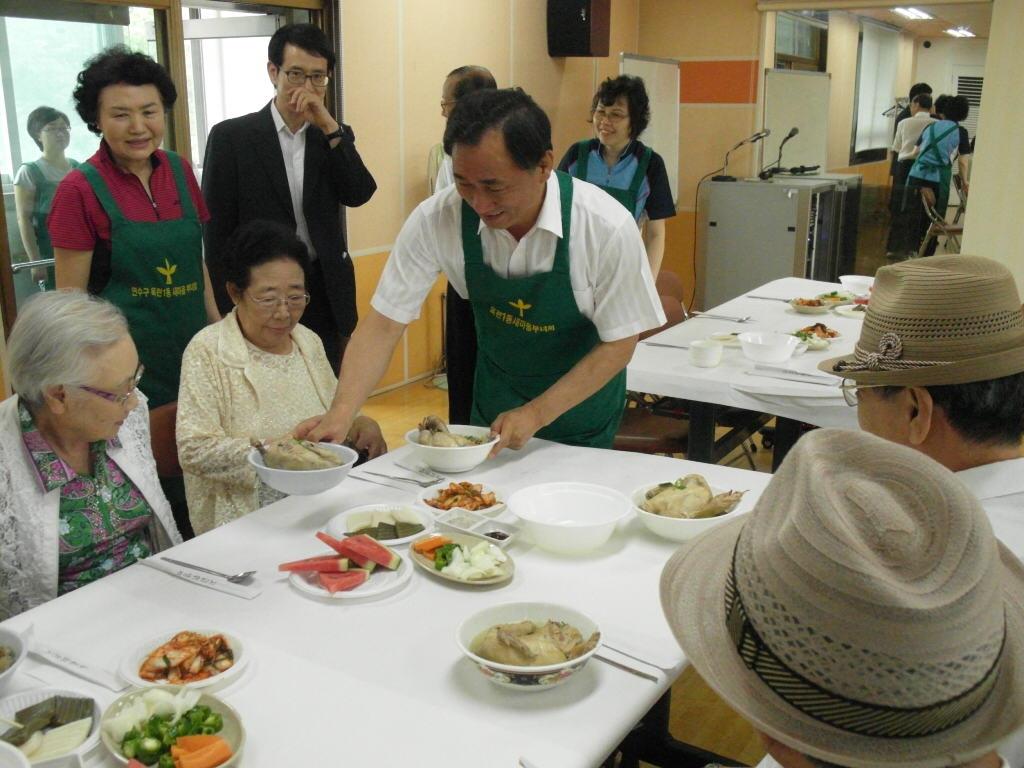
x=24 y=179
x=411 y=269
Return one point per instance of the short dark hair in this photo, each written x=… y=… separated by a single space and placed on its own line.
x=523 y=124
x=957 y=108
x=471 y=78
x=918 y=88
x=39 y=118
x=258 y=242
x=987 y=412
x=309 y=38
x=941 y=104
x=117 y=65
x=923 y=100
x=632 y=88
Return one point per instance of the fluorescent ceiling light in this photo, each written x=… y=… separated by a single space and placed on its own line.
x=912 y=13
x=960 y=32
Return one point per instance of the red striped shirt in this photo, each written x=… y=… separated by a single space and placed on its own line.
x=77 y=220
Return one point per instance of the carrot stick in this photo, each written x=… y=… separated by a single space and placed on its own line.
x=427 y=546
x=208 y=757
x=195 y=742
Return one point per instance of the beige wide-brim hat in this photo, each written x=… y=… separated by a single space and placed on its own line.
x=939 y=320
x=870 y=571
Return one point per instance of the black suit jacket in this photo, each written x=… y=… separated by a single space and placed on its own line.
x=244 y=179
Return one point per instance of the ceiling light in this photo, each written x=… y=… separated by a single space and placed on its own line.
x=960 y=32
x=912 y=13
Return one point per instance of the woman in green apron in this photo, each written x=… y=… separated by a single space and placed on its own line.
x=619 y=163
x=36 y=182
x=127 y=224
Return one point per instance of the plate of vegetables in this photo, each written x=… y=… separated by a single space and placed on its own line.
x=472 y=497
x=171 y=727
x=202 y=658
x=55 y=725
x=463 y=558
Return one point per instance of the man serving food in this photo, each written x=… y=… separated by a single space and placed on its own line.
x=554 y=268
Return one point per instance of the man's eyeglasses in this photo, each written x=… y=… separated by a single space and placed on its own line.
x=851 y=390
x=113 y=397
x=298 y=77
x=269 y=304
x=447 y=103
x=613 y=116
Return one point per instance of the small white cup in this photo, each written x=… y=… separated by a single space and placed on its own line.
x=705 y=353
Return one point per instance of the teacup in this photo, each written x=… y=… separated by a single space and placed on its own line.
x=705 y=353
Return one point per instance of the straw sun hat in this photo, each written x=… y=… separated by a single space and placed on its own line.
x=863 y=613
x=941 y=320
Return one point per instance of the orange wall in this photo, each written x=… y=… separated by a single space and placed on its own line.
x=397 y=54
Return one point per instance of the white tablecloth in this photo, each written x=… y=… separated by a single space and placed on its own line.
x=383 y=683
x=669 y=372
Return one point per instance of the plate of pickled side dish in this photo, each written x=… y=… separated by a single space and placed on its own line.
x=193 y=658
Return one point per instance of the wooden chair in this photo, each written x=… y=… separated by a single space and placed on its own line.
x=162 y=438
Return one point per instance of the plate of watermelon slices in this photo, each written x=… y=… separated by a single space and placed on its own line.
x=357 y=568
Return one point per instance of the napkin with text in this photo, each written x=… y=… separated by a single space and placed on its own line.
x=246 y=591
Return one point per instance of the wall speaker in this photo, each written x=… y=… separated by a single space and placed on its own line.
x=578 y=27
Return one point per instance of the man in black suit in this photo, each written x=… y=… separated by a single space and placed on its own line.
x=291 y=162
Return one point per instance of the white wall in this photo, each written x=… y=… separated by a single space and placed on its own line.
x=935 y=65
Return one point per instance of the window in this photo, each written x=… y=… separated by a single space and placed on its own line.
x=876 y=90
x=801 y=40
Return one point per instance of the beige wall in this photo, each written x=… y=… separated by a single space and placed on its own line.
x=397 y=53
x=993 y=226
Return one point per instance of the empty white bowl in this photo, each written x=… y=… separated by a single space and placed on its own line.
x=857 y=284
x=569 y=518
x=305 y=482
x=12 y=757
x=767 y=346
x=680 y=528
x=461 y=459
x=521 y=678
x=17 y=646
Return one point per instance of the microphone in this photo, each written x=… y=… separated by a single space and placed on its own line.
x=771 y=170
x=753 y=139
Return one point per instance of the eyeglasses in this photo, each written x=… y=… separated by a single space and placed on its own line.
x=270 y=304
x=113 y=397
x=614 y=116
x=298 y=77
x=57 y=129
x=851 y=390
x=447 y=103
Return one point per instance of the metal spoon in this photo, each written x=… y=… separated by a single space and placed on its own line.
x=710 y=316
x=238 y=578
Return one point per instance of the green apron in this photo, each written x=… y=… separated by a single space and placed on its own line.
x=45 y=190
x=530 y=333
x=627 y=197
x=932 y=158
x=156 y=279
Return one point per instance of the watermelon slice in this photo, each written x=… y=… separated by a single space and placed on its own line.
x=342 y=582
x=328 y=563
x=355 y=559
x=364 y=546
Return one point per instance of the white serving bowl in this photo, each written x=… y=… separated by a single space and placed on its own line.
x=12 y=757
x=517 y=677
x=460 y=459
x=305 y=482
x=857 y=284
x=233 y=732
x=18 y=701
x=768 y=346
x=569 y=518
x=678 y=528
x=16 y=644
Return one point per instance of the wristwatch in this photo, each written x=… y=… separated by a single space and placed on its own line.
x=335 y=134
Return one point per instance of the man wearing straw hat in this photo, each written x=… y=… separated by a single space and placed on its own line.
x=939 y=367
x=862 y=615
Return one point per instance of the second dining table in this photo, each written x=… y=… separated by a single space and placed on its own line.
x=383 y=682
x=661 y=365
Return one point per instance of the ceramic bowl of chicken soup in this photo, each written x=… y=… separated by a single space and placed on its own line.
x=663 y=507
x=528 y=646
x=305 y=482
x=569 y=518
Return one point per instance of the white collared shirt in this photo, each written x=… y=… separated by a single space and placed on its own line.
x=908 y=132
x=611 y=279
x=999 y=487
x=293 y=150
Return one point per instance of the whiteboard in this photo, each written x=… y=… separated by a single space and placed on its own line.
x=796 y=99
x=661 y=78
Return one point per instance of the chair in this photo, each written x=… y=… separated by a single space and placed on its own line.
x=162 y=438
x=961 y=208
x=939 y=227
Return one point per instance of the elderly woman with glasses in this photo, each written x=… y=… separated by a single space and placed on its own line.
x=255 y=374
x=79 y=494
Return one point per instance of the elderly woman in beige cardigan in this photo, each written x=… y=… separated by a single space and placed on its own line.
x=257 y=373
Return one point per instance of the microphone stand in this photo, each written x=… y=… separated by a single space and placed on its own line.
x=724 y=176
x=771 y=170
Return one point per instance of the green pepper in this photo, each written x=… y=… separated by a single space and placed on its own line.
x=149 y=750
x=166 y=761
x=443 y=556
x=130 y=747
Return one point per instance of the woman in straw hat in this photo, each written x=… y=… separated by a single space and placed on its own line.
x=863 y=614
x=939 y=367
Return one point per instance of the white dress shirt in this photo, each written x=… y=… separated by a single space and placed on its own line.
x=293 y=150
x=999 y=487
x=445 y=174
x=908 y=132
x=608 y=268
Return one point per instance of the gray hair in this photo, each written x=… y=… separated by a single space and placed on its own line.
x=55 y=338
